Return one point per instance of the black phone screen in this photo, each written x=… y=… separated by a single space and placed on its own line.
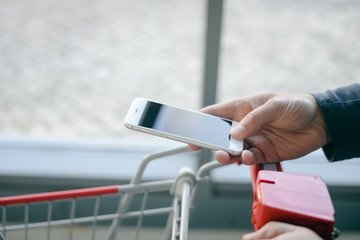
x=187 y=124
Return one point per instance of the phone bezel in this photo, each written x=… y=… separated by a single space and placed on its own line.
x=136 y=111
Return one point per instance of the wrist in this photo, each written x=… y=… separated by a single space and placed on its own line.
x=319 y=122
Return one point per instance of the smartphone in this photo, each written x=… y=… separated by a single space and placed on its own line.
x=182 y=125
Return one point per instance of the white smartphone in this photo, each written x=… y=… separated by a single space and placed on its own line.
x=182 y=125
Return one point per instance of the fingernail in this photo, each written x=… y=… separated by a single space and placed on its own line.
x=238 y=132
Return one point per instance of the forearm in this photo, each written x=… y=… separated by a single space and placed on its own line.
x=341 y=112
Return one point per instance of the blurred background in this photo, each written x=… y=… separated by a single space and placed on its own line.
x=70 y=69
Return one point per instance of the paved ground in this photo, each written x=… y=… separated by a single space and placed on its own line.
x=71 y=68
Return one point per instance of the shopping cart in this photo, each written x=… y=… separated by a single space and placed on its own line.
x=55 y=225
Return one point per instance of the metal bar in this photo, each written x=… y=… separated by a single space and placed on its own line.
x=211 y=61
x=72 y=215
x=129 y=188
x=26 y=221
x=212 y=50
x=135 y=180
x=168 y=228
x=148 y=212
x=206 y=168
x=49 y=216
x=4 y=219
x=154 y=186
x=40 y=197
x=113 y=229
x=175 y=225
x=185 y=209
x=139 y=223
x=148 y=158
x=202 y=176
x=96 y=212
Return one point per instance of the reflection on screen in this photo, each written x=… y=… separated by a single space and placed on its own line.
x=199 y=127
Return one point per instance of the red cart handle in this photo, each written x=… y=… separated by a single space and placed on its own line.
x=39 y=197
x=254 y=170
x=300 y=199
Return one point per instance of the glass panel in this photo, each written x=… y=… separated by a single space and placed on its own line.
x=71 y=68
x=290 y=46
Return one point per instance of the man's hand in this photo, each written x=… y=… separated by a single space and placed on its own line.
x=282 y=231
x=275 y=127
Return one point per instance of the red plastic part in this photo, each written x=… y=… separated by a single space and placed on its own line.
x=254 y=170
x=39 y=197
x=299 y=199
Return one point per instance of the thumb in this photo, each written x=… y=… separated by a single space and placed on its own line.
x=256 y=119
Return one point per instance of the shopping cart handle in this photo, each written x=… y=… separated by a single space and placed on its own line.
x=254 y=170
x=49 y=196
x=300 y=199
x=187 y=175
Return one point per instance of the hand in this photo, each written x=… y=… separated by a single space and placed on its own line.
x=282 y=231
x=275 y=127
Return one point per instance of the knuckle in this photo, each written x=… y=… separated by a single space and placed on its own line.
x=251 y=117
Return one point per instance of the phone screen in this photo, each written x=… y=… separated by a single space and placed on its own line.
x=191 y=125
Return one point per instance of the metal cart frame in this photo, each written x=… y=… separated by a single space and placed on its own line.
x=183 y=189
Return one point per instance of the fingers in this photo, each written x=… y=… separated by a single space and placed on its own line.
x=235 y=109
x=222 y=156
x=224 y=109
x=193 y=147
x=256 y=119
x=269 y=231
x=252 y=112
x=257 y=149
x=247 y=157
x=282 y=231
x=225 y=158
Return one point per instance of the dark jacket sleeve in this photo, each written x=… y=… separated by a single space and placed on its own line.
x=341 y=111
